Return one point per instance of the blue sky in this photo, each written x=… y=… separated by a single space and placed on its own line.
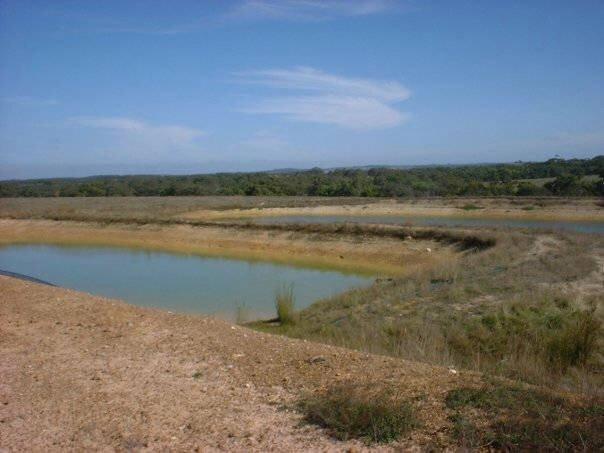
x=123 y=87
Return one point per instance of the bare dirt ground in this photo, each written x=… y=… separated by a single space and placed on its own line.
x=581 y=209
x=81 y=372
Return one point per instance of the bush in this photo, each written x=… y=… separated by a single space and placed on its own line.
x=576 y=342
x=285 y=304
x=354 y=411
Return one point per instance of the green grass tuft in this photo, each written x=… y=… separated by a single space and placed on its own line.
x=354 y=411
x=285 y=304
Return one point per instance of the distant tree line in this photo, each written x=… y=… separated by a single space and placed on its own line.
x=574 y=177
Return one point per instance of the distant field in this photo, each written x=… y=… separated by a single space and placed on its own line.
x=229 y=207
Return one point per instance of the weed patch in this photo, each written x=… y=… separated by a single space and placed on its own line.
x=522 y=418
x=354 y=411
x=285 y=304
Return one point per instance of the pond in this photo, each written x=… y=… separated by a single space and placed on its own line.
x=177 y=282
x=585 y=227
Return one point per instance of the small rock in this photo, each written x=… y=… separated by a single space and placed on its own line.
x=316 y=359
x=428 y=249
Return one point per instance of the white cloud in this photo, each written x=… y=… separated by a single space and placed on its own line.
x=346 y=111
x=310 y=79
x=136 y=129
x=330 y=99
x=310 y=10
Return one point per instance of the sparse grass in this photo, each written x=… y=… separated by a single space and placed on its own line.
x=523 y=418
x=285 y=304
x=358 y=411
x=197 y=375
x=502 y=311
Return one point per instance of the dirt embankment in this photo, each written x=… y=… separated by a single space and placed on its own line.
x=387 y=250
x=81 y=372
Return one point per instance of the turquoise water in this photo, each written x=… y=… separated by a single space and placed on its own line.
x=177 y=282
x=586 y=227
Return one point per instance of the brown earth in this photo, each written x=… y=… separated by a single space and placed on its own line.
x=372 y=255
x=580 y=209
x=81 y=372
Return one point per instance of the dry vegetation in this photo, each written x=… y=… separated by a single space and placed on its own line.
x=525 y=306
x=211 y=208
x=530 y=308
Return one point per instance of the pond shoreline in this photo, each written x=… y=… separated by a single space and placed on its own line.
x=82 y=372
x=233 y=290
x=381 y=250
x=27 y=278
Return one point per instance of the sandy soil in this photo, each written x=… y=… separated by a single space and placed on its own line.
x=81 y=372
x=371 y=255
x=582 y=209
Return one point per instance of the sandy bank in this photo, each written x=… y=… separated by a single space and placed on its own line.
x=368 y=255
x=81 y=372
x=489 y=208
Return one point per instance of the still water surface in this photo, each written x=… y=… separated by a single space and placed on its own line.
x=178 y=282
x=585 y=227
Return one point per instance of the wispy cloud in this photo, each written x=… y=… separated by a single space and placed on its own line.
x=162 y=22
x=330 y=99
x=310 y=10
x=169 y=134
x=309 y=79
x=27 y=101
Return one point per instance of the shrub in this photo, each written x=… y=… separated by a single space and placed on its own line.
x=285 y=304
x=354 y=411
x=552 y=332
x=576 y=342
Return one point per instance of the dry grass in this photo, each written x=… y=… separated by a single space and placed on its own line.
x=526 y=308
x=152 y=208
x=208 y=208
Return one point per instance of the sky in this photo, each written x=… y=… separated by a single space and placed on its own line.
x=173 y=87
